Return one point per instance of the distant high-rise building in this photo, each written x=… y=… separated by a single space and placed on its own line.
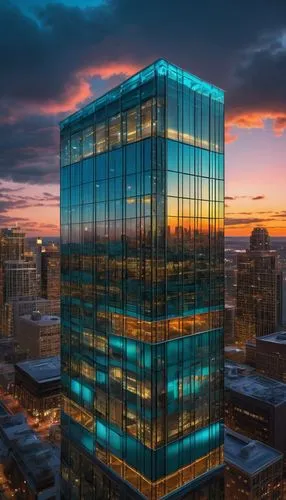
x=12 y=244
x=142 y=207
x=253 y=470
x=50 y=272
x=229 y=324
x=259 y=239
x=39 y=248
x=19 y=279
x=259 y=291
x=12 y=247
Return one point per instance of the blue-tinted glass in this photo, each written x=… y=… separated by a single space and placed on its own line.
x=75 y=174
x=87 y=193
x=75 y=195
x=100 y=190
x=173 y=155
x=130 y=152
x=101 y=167
x=87 y=213
x=87 y=170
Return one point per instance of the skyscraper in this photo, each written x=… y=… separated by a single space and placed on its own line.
x=50 y=272
x=12 y=247
x=142 y=207
x=12 y=244
x=259 y=239
x=259 y=289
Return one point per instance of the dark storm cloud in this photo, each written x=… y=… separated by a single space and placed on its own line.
x=45 y=59
x=29 y=151
x=260 y=89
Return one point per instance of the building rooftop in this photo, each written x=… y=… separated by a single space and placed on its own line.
x=42 y=370
x=248 y=455
x=276 y=338
x=159 y=67
x=38 y=461
x=232 y=368
x=256 y=386
x=41 y=319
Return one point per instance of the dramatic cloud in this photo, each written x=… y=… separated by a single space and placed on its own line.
x=57 y=57
x=260 y=92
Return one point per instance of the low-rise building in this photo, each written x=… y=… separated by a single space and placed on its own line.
x=271 y=355
x=31 y=465
x=253 y=470
x=256 y=406
x=38 y=387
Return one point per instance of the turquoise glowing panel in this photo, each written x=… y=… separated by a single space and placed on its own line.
x=81 y=390
x=75 y=387
x=155 y=463
x=86 y=394
x=101 y=377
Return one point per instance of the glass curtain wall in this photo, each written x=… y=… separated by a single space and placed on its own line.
x=142 y=197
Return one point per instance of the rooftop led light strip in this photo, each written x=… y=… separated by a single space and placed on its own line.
x=161 y=68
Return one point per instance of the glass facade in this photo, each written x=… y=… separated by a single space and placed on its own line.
x=142 y=221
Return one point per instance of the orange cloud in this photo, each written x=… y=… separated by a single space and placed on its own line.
x=229 y=136
x=74 y=96
x=255 y=120
x=80 y=92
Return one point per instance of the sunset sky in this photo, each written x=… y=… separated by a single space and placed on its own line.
x=57 y=56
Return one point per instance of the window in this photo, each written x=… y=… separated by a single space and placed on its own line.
x=101 y=143
x=87 y=142
x=146 y=119
x=76 y=143
x=65 y=151
x=132 y=125
x=114 y=131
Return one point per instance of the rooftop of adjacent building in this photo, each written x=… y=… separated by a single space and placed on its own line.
x=233 y=369
x=248 y=455
x=276 y=338
x=42 y=370
x=256 y=386
x=37 y=460
x=160 y=67
x=41 y=319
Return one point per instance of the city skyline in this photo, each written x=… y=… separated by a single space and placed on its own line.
x=58 y=78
